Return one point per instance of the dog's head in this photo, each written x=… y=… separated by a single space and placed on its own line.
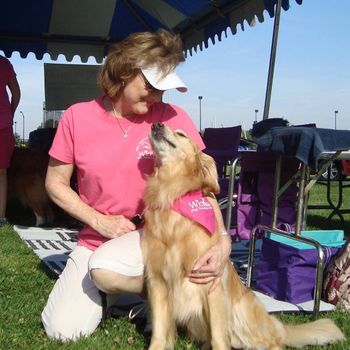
x=179 y=159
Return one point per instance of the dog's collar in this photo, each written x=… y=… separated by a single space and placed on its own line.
x=197 y=208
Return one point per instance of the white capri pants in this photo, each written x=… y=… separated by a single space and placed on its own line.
x=74 y=307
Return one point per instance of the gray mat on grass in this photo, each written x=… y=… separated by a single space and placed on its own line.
x=53 y=245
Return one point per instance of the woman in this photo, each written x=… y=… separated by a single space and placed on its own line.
x=106 y=141
x=8 y=107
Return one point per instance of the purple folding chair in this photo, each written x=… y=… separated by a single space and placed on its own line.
x=255 y=193
x=223 y=144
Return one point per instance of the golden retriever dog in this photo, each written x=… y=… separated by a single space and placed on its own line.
x=26 y=183
x=229 y=316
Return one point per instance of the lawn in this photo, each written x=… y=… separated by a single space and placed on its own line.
x=25 y=284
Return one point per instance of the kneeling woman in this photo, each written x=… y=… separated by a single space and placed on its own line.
x=106 y=142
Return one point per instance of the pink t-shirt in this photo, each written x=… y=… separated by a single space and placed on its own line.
x=6 y=73
x=112 y=170
x=196 y=207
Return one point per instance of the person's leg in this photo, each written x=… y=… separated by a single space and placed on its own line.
x=3 y=192
x=7 y=144
x=74 y=305
x=117 y=265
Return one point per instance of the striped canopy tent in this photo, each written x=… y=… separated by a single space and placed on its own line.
x=87 y=27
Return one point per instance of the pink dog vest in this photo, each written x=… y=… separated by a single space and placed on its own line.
x=197 y=208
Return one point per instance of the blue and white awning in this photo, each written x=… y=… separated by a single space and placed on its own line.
x=87 y=27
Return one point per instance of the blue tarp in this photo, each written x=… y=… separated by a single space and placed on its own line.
x=86 y=27
x=304 y=143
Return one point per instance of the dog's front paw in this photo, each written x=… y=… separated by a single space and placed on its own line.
x=160 y=345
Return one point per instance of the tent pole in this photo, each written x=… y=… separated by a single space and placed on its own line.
x=272 y=59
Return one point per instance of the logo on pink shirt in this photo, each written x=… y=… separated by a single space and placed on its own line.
x=197 y=208
x=144 y=149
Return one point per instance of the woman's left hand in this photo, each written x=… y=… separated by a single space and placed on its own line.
x=210 y=266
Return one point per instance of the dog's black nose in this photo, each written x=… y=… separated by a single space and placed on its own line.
x=157 y=126
x=157 y=130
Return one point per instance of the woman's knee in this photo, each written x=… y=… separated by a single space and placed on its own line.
x=58 y=328
x=65 y=326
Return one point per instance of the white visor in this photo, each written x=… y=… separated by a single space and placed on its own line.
x=170 y=81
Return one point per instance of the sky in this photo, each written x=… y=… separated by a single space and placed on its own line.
x=311 y=76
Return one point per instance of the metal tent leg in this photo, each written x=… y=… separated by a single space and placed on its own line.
x=272 y=59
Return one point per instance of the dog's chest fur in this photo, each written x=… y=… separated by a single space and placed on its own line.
x=174 y=243
x=179 y=240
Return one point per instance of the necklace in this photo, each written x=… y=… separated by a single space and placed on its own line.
x=125 y=132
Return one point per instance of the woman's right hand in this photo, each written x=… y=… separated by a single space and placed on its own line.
x=112 y=226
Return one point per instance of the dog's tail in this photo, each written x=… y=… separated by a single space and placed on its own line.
x=319 y=332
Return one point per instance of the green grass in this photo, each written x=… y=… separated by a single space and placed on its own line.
x=25 y=285
x=318 y=219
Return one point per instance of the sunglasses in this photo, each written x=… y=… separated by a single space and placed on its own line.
x=148 y=86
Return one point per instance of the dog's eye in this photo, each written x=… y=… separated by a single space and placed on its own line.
x=180 y=134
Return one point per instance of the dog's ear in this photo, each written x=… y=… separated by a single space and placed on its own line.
x=209 y=172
